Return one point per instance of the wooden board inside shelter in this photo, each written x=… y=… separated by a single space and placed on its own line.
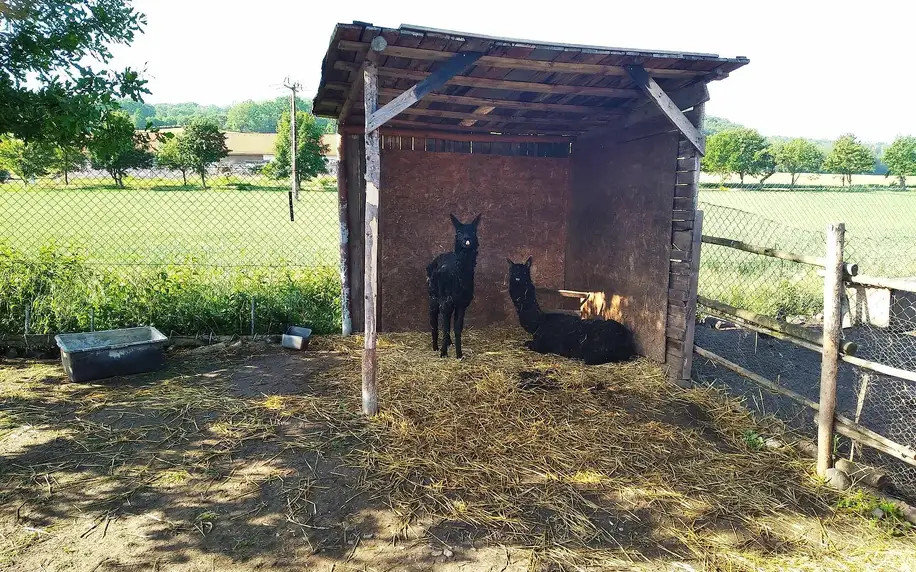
x=620 y=238
x=524 y=204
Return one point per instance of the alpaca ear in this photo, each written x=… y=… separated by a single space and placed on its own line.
x=455 y=221
x=528 y=262
x=476 y=221
x=509 y=260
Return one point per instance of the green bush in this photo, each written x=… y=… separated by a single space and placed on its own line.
x=61 y=288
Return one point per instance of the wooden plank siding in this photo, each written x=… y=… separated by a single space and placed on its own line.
x=681 y=288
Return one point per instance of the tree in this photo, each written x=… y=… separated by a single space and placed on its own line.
x=67 y=159
x=900 y=159
x=798 y=156
x=117 y=147
x=170 y=156
x=201 y=145
x=47 y=89
x=26 y=160
x=713 y=125
x=310 y=161
x=849 y=157
x=742 y=151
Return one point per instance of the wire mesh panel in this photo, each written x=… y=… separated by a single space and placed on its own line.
x=880 y=238
x=188 y=254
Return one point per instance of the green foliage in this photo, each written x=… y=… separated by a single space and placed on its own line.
x=247 y=116
x=170 y=156
x=713 y=125
x=116 y=147
x=26 y=160
x=900 y=159
x=310 y=161
x=67 y=159
x=753 y=440
x=891 y=518
x=60 y=287
x=200 y=145
x=741 y=151
x=798 y=156
x=849 y=157
x=46 y=89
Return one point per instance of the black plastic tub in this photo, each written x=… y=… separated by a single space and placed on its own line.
x=87 y=356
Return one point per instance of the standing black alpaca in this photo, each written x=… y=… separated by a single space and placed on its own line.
x=594 y=341
x=450 y=279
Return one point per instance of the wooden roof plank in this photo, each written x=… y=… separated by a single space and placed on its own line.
x=495 y=59
x=520 y=86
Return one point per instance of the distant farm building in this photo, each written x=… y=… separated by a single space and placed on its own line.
x=258 y=148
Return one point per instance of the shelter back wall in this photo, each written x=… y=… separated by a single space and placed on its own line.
x=525 y=206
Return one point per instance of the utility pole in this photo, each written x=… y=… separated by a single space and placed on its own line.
x=293 y=87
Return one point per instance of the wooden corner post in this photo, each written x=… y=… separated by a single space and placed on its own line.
x=833 y=325
x=346 y=321
x=373 y=182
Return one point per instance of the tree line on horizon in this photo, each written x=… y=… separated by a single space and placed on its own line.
x=733 y=149
x=248 y=116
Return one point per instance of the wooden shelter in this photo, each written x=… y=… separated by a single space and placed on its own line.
x=585 y=158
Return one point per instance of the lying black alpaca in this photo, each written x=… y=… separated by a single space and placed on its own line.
x=593 y=341
x=450 y=280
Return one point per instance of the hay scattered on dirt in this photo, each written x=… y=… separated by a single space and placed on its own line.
x=585 y=458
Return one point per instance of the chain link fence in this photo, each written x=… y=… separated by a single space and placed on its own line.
x=230 y=254
x=880 y=238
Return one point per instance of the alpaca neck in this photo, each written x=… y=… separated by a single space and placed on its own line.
x=529 y=312
x=467 y=262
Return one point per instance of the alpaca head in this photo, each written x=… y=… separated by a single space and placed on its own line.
x=465 y=234
x=519 y=280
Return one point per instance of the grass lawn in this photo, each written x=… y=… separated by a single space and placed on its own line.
x=164 y=223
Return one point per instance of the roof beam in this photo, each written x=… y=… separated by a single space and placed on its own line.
x=477 y=116
x=668 y=108
x=429 y=82
x=517 y=63
x=610 y=92
x=371 y=56
x=457 y=136
x=593 y=111
x=683 y=98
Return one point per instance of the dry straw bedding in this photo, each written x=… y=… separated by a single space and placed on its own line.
x=593 y=464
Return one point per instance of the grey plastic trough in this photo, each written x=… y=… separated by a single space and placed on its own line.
x=87 y=356
x=296 y=338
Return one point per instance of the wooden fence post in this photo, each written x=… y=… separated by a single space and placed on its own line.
x=833 y=326
x=373 y=182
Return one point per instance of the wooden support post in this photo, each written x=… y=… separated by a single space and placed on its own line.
x=668 y=108
x=693 y=287
x=833 y=325
x=373 y=182
x=346 y=322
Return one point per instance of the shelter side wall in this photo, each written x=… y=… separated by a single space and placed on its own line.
x=619 y=241
x=524 y=202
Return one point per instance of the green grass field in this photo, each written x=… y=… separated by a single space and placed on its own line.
x=190 y=259
x=880 y=237
x=185 y=259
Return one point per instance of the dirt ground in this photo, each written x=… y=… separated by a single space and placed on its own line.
x=255 y=458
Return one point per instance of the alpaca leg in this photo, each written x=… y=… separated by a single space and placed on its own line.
x=434 y=322
x=445 y=313
x=459 y=327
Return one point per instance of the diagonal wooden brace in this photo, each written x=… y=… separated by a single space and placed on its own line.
x=454 y=66
x=668 y=108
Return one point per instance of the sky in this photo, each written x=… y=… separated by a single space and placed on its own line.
x=818 y=68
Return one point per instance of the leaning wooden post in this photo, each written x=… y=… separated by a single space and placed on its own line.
x=373 y=182
x=833 y=325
